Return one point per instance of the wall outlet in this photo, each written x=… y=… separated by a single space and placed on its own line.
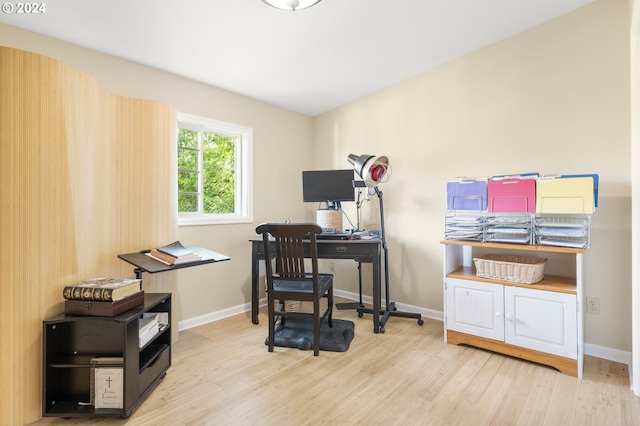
x=593 y=305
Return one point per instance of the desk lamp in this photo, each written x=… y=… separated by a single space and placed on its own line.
x=373 y=170
x=370 y=168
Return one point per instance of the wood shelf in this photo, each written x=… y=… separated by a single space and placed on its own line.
x=549 y=282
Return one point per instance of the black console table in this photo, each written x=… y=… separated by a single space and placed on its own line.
x=70 y=342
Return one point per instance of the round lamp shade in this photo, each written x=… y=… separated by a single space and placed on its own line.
x=370 y=168
x=291 y=5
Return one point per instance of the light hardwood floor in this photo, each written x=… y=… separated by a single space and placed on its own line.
x=222 y=374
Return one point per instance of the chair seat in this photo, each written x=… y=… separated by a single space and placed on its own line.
x=324 y=282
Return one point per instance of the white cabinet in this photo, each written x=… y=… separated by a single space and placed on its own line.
x=535 y=319
x=475 y=308
x=542 y=320
x=539 y=322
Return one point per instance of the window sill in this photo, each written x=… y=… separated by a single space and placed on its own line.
x=204 y=221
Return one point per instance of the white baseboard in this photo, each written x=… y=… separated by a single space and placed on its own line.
x=615 y=355
x=610 y=354
x=213 y=316
x=427 y=313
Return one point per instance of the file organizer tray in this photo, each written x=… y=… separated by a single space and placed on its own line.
x=563 y=231
x=509 y=228
x=512 y=195
x=567 y=194
x=464 y=227
x=467 y=195
x=571 y=242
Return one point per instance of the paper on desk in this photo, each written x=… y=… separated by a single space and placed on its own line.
x=464 y=219
x=472 y=228
x=461 y=235
x=508 y=220
x=509 y=238
x=509 y=230
x=562 y=243
x=554 y=224
x=562 y=232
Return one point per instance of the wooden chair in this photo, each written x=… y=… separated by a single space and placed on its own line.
x=289 y=280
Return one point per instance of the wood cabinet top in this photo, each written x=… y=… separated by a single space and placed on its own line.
x=521 y=247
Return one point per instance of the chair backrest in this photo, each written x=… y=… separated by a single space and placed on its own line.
x=289 y=240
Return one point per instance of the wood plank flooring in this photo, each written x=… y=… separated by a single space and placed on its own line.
x=222 y=374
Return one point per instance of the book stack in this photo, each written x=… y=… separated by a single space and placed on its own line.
x=106 y=297
x=175 y=254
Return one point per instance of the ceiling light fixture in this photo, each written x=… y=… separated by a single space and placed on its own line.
x=291 y=5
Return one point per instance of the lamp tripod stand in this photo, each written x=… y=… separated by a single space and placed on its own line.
x=373 y=170
x=390 y=308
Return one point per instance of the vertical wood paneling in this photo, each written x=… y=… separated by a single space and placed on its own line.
x=143 y=145
x=84 y=175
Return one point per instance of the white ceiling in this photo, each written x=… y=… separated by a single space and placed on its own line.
x=309 y=61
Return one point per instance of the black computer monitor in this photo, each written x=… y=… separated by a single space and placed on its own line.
x=328 y=186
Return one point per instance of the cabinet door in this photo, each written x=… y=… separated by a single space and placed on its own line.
x=541 y=320
x=475 y=308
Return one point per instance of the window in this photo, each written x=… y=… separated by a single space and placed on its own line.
x=214 y=164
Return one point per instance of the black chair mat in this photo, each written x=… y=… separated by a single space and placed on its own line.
x=298 y=333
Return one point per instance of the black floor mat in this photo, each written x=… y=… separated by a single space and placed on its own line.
x=298 y=333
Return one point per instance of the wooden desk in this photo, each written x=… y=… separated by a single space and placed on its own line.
x=364 y=251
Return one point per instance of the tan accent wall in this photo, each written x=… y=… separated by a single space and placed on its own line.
x=552 y=99
x=84 y=176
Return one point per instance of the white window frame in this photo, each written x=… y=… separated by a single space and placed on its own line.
x=243 y=166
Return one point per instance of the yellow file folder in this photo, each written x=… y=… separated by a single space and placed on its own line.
x=565 y=195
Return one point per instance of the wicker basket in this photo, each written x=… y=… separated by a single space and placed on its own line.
x=511 y=268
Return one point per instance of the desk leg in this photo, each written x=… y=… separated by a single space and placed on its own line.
x=255 y=284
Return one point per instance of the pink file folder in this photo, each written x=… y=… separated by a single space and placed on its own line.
x=514 y=195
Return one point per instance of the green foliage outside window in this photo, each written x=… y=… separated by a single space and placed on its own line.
x=217 y=153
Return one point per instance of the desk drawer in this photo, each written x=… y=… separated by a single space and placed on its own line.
x=363 y=251
x=159 y=360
